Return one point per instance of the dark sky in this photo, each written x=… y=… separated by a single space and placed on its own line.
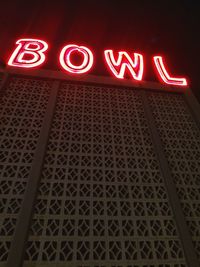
x=170 y=28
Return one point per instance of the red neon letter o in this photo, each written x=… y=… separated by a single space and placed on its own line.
x=66 y=62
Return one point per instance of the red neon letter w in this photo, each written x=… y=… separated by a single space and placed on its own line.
x=124 y=61
x=165 y=77
x=28 y=54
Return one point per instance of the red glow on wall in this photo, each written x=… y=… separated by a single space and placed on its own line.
x=123 y=62
x=28 y=54
x=66 y=62
x=158 y=61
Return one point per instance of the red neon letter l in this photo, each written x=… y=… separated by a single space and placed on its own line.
x=66 y=63
x=28 y=54
x=158 y=61
x=123 y=62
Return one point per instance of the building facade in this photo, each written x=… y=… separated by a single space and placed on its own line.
x=97 y=172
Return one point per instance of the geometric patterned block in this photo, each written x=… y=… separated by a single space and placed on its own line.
x=22 y=110
x=102 y=200
x=181 y=140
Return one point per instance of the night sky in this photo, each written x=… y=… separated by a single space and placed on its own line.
x=170 y=28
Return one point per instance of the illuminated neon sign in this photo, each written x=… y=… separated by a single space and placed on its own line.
x=30 y=53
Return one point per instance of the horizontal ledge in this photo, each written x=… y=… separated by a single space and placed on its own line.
x=88 y=78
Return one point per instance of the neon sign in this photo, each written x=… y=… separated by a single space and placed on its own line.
x=30 y=53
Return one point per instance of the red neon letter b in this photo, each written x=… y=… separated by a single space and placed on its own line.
x=28 y=54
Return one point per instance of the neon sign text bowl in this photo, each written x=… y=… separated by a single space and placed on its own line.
x=31 y=53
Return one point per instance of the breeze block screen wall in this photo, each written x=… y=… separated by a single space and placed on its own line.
x=97 y=175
